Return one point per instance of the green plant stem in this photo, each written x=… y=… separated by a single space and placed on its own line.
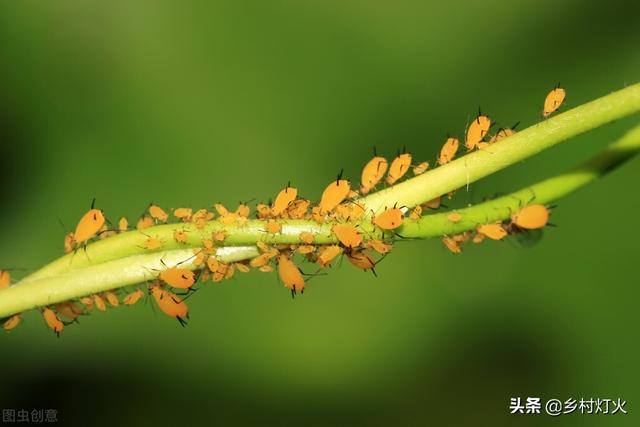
x=101 y=277
x=508 y=151
x=140 y=267
x=120 y=260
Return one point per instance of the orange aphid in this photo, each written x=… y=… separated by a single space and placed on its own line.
x=531 y=217
x=290 y=274
x=89 y=225
x=260 y=260
x=180 y=236
x=266 y=248
x=145 y=221
x=183 y=213
x=266 y=269
x=133 y=297
x=243 y=210
x=305 y=249
x=273 y=227
x=68 y=243
x=416 y=213
x=178 y=277
x=213 y=264
x=390 y=219
x=152 y=243
x=88 y=302
x=226 y=217
x=493 y=231
x=298 y=208
x=553 y=101
x=201 y=217
x=283 y=199
x=503 y=133
x=379 y=246
x=12 y=322
x=334 y=194
x=451 y=244
x=478 y=238
x=448 y=151
x=242 y=268
x=208 y=247
x=112 y=298
x=372 y=173
x=306 y=237
x=219 y=235
x=263 y=211
x=476 y=131
x=158 y=213
x=221 y=209
x=421 y=168
x=5 y=279
x=347 y=235
x=123 y=224
x=317 y=215
x=462 y=237
x=52 y=320
x=399 y=167
x=328 y=253
x=99 y=303
x=69 y=309
x=362 y=260
x=199 y=258
x=170 y=304
x=454 y=217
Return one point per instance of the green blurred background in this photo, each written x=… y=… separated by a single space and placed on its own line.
x=193 y=103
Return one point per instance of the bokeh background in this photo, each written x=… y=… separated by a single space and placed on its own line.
x=194 y=103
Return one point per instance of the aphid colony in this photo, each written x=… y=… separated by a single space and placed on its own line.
x=337 y=206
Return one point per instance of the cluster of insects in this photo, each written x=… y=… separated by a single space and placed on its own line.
x=338 y=206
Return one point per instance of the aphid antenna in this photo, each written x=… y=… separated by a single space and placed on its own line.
x=339 y=176
x=64 y=227
x=515 y=125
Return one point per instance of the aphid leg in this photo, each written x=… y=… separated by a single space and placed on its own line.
x=182 y=322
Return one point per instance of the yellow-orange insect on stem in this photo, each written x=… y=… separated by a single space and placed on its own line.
x=531 y=217
x=448 y=151
x=170 y=304
x=476 y=131
x=52 y=320
x=493 y=231
x=347 y=235
x=399 y=166
x=372 y=173
x=89 y=225
x=12 y=322
x=334 y=194
x=283 y=199
x=290 y=274
x=390 y=219
x=553 y=101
